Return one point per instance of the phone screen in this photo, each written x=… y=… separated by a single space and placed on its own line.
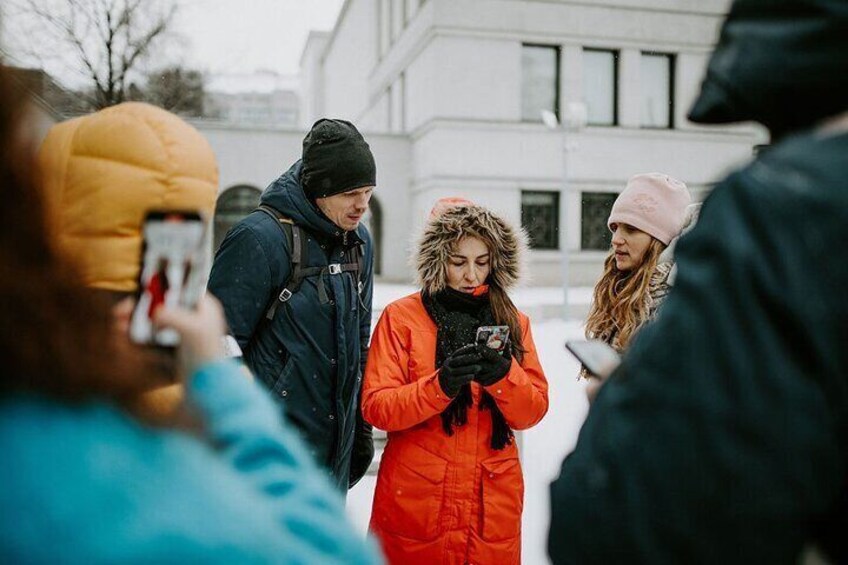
x=172 y=272
x=493 y=337
x=597 y=356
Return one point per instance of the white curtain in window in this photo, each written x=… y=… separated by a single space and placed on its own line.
x=599 y=86
x=539 y=76
x=656 y=90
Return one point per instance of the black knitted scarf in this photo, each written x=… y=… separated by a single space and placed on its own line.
x=457 y=316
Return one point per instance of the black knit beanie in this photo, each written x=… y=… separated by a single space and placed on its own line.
x=336 y=159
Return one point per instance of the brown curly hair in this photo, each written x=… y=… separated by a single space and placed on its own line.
x=57 y=338
x=619 y=305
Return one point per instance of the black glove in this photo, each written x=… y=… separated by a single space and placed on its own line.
x=493 y=365
x=363 y=450
x=459 y=369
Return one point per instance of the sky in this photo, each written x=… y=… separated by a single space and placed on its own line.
x=222 y=36
x=236 y=36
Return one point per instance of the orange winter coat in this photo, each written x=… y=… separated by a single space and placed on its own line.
x=439 y=498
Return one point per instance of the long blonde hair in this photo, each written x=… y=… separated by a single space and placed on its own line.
x=619 y=305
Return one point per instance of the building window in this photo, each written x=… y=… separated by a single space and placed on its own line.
x=234 y=204
x=539 y=81
x=600 y=86
x=594 y=233
x=540 y=217
x=657 y=81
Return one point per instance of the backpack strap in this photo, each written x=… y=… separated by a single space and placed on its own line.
x=298 y=246
x=354 y=265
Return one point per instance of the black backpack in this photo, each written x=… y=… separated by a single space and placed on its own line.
x=299 y=253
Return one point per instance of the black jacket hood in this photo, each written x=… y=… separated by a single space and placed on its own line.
x=783 y=63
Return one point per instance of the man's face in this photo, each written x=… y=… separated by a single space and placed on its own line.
x=346 y=209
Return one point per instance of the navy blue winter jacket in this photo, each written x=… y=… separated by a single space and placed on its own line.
x=312 y=355
x=723 y=435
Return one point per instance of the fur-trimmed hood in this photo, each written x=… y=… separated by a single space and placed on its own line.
x=507 y=244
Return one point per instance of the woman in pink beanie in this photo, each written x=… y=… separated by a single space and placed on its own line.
x=646 y=217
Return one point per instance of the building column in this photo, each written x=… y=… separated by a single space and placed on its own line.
x=629 y=92
x=571 y=75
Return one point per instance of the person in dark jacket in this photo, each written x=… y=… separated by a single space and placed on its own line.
x=723 y=435
x=308 y=345
x=89 y=474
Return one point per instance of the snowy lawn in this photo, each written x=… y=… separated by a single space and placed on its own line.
x=542 y=447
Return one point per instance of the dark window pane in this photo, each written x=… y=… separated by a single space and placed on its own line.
x=600 y=86
x=594 y=233
x=233 y=205
x=539 y=81
x=540 y=217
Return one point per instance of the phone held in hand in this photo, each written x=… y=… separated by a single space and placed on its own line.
x=494 y=337
x=172 y=272
x=599 y=358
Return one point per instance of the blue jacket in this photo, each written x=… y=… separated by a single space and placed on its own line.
x=312 y=355
x=87 y=484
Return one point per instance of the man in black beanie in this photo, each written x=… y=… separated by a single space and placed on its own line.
x=295 y=278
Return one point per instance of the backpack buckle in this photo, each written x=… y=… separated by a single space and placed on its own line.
x=335 y=269
x=285 y=295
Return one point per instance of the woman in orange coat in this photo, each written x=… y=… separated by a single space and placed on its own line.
x=450 y=487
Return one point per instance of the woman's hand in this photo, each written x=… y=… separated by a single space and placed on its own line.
x=597 y=381
x=458 y=370
x=121 y=314
x=201 y=332
x=593 y=387
x=493 y=365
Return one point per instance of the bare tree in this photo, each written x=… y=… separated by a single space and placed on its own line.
x=105 y=40
x=175 y=89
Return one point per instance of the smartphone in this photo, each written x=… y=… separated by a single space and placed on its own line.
x=172 y=272
x=599 y=358
x=494 y=337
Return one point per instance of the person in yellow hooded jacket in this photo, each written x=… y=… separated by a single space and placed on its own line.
x=102 y=173
x=87 y=477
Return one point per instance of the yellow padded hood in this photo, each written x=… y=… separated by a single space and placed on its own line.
x=104 y=171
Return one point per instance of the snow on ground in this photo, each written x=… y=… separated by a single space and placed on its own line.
x=544 y=446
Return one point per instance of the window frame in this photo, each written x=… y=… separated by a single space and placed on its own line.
x=556 y=205
x=583 y=193
x=671 y=58
x=557 y=81
x=616 y=85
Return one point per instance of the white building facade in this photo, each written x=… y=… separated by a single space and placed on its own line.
x=465 y=82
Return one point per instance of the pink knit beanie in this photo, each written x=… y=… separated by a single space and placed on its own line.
x=654 y=203
x=443 y=204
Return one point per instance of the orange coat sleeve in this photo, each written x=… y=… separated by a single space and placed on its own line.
x=522 y=395
x=390 y=400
